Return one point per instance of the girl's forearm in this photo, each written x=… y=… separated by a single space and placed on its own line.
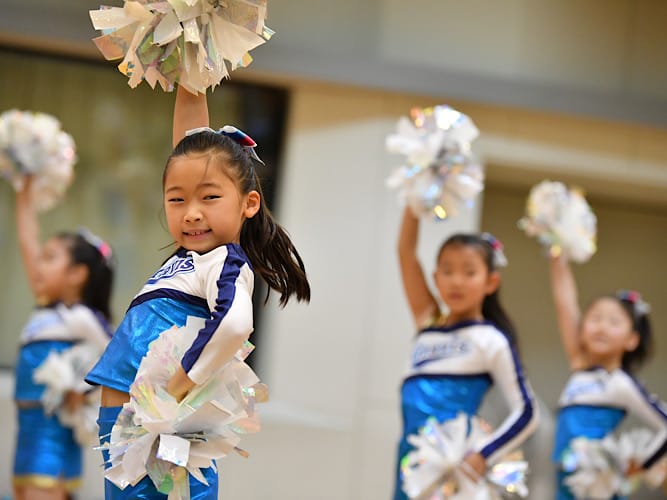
x=190 y=111
x=27 y=229
x=409 y=234
x=566 y=302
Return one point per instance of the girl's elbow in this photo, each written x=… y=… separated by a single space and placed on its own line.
x=238 y=328
x=534 y=417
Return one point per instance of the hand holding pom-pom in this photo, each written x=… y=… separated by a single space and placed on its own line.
x=191 y=42
x=602 y=469
x=33 y=145
x=440 y=466
x=440 y=173
x=157 y=436
x=66 y=394
x=561 y=220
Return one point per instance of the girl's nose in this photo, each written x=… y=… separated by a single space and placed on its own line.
x=193 y=215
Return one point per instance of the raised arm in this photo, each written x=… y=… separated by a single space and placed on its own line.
x=27 y=229
x=568 y=314
x=422 y=303
x=190 y=111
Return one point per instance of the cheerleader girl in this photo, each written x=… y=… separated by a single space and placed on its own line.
x=604 y=346
x=457 y=357
x=223 y=233
x=71 y=278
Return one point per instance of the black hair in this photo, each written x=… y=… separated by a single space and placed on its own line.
x=492 y=310
x=96 y=292
x=268 y=246
x=634 y=360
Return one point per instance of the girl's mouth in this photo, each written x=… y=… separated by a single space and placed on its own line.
x=198 y=233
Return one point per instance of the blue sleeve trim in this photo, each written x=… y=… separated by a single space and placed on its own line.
x=660 y=452
x=226 y=293
x=523 y=420
x=461 y=376
x=169 y=293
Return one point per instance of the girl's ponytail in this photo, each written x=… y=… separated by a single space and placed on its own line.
x=638 y=312
x=92 y=252
x=273 y=255
x=493 y=311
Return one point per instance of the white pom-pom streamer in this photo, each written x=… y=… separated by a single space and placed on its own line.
x=440 y=173
x=561 y=220
x=598 y=467
x=34 y=144
x=192 y=42
x=156 y=436
x=63 y=372
x=432 y=470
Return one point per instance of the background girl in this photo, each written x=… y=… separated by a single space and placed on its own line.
x=457 y=357
x=71 y=277
x=223 y=232
x=603 y=346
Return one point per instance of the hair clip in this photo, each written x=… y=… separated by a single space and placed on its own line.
x=499 y=259
x=639 y=306
x=100 y=245
x=235 y=134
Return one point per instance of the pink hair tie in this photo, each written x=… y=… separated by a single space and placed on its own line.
x=100 y=245
x=499 y=259
x=639 y=306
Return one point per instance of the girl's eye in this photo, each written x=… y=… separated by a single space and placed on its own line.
x=175 y=200
x=212 y=197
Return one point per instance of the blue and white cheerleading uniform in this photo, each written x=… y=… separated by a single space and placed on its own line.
x=46 y=451
x=216 y=286
x=594 y=403
x=451 y=370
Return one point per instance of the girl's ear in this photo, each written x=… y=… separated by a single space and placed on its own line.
x=492 y=282
x=253 y=202
x=633 y=341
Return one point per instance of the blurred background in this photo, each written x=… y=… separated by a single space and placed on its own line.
x=569 y=90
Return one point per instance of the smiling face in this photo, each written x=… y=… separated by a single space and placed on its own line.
x=203 y=205
x=607 y=333
x=463 y=280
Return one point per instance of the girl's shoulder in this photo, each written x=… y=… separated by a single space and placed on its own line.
x=618 y=378
x=228 y=251
x=83 y=316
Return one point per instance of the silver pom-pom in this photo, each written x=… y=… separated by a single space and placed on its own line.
x=193 y=42
x=440 y=173
x=34 y=144
x=561 y=220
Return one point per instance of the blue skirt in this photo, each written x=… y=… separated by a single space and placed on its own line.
x=46 y=453
x=145 y=489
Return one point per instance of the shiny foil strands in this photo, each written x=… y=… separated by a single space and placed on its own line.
x=156 y=436
x=597 y=468
x=561 y=220
x=432 y=471
x=440 y=173
x=193 y=42
x=34 y=144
